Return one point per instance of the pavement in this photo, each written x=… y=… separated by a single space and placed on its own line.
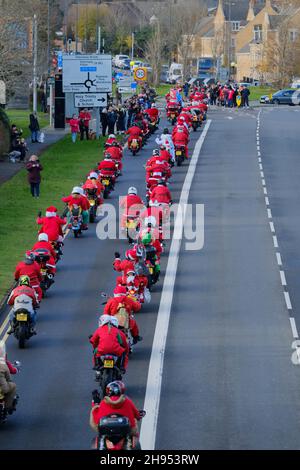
x=228 y=380
x=8 y=169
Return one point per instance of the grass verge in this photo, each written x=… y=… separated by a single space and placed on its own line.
x=65 y=165
x=20 y=118
x=256 y=92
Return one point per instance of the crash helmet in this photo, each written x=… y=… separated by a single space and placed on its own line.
x=107 y=155
x=43 y=237
x=132 y=190
x=146 y=239
x=155 y=153
x=77 y=190
x=24 y=281
x=104 y=319
x=93 y=175
x=111 y=136
x=115 y=389
x=166 y=131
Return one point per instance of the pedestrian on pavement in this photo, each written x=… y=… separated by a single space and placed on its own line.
x=103 y=119
x=121 y=112
x=245 y=96
x=34 y=127
x=118 y=97
x=186 y=88
x=84 y=123
x=111 y=120
x=34 y=169
x=74 y=125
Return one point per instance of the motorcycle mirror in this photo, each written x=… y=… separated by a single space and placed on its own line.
x=104 y=295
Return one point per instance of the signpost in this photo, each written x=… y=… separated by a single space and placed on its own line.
x=90 y=100
x=87 y=73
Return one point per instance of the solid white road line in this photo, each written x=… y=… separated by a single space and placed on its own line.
x=155 y=372
x=288 y=300
x=294 y=328
x=282 y=277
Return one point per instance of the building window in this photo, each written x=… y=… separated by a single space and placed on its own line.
x=235 y=25
x=293 y=34
x=257 y=30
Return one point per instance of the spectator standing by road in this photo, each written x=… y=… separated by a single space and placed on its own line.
x=34 y=169
x=121 y=120
x=103 y=119
x=84 y=123
x=34 y=127
x=245 y=97
x=111 y=120
x=74 y=125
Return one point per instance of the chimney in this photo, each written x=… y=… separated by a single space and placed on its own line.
x=251 y=14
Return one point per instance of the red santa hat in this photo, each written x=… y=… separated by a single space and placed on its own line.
x=120 y=291
x=51 y=211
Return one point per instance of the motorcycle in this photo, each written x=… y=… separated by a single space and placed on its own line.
x=195 y=122
x=179 y=154
x=42 y=256
x=134 y=146
x=3 y=410
x=107 y=369
x=151 y=265
x=76 y=220
x=21 y=326
x=93 y=200
x=58 y=249
x=107 y=182
x=114 y=433
x=172 y=114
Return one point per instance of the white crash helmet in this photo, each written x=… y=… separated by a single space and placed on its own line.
x=114 y=321
x=77 y=190
x=43 y=237
x=132 y=190
x=111 y=136
x=93 y=175
x=150 y=220
x=104 y=319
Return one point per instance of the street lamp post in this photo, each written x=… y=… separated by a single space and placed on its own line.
x=132 y=45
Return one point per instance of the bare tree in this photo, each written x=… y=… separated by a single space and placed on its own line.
x=154 y=51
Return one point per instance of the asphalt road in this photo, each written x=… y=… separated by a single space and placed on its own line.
x=228 y=379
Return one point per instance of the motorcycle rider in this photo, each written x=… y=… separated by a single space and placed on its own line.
x=130 y=205
x=180 y=138
x=153 y=113
x=111 y=140
x=51 y=224
x=76 y=198
x=43 y=244
x=93 y=183
x=30 y=268
x=23 y=297
x=161 y=194
x=114 y=402
x=108 y=168
x=7 y=387
x=135 y=133
x=120 y=300
x=116 y=153
x=166 y=140
x=108 y=339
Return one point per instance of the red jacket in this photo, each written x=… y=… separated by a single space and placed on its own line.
x=74 y=124
x=95 y=184
x=124 y=265
x=161 y=194
x=115 y=152
x=107 y=166
x=85 y=117
x=52 y=226
x=111 y=308
x=108 y=339
x=45 y=246
x=116 y=405
x=152 y=113
x=180 y=138
x=134 y=132
x=131 y=201
x=80 y=201
x=22 y=290
x=32 y=270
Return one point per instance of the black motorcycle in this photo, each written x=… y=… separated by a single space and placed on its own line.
x=42 y=257
x=21 y=326
x=107 y=369
x=93 y=200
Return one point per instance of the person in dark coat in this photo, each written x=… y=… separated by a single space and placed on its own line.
x=103 y=119
x=34 y=169
x=34 y=127
x=111 y=120
x=245 y=96
x=121 y=120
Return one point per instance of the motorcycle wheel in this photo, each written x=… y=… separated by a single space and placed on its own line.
x=76 y=233
x=173 y=122
x=93 y=211
x=178 y=161
x=22 y=336
x=105 y=193
x=107 y=377
x=134 y=153
x=194 y=128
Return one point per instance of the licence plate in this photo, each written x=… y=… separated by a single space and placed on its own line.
x=22 y=317
x=151 y=270
x=44 y=271
x=92 y=202
x=178 y=153
x=108 y=363
x=131 y=224
x=105 y=182
x=172 y=116
x=134 y=145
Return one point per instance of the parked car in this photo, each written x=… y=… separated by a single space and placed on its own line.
x=118 y=60
x=291 y=97
x=148 y=66
x=265 y=99
x=125 y=64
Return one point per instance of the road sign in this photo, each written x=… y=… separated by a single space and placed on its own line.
x=59 y=60
x=134 y=85
x=125 y=89
x=90 y=100
x=140 y=74
x=87 y=73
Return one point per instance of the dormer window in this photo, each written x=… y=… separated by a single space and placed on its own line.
x=235 y=25
x=293 y=35
x=257 y=30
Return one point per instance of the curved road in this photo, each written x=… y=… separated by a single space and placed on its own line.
x=228 y=378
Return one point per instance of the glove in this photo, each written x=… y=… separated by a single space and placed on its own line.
x=96 y=397
x=117 y=254
x=40 y=214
